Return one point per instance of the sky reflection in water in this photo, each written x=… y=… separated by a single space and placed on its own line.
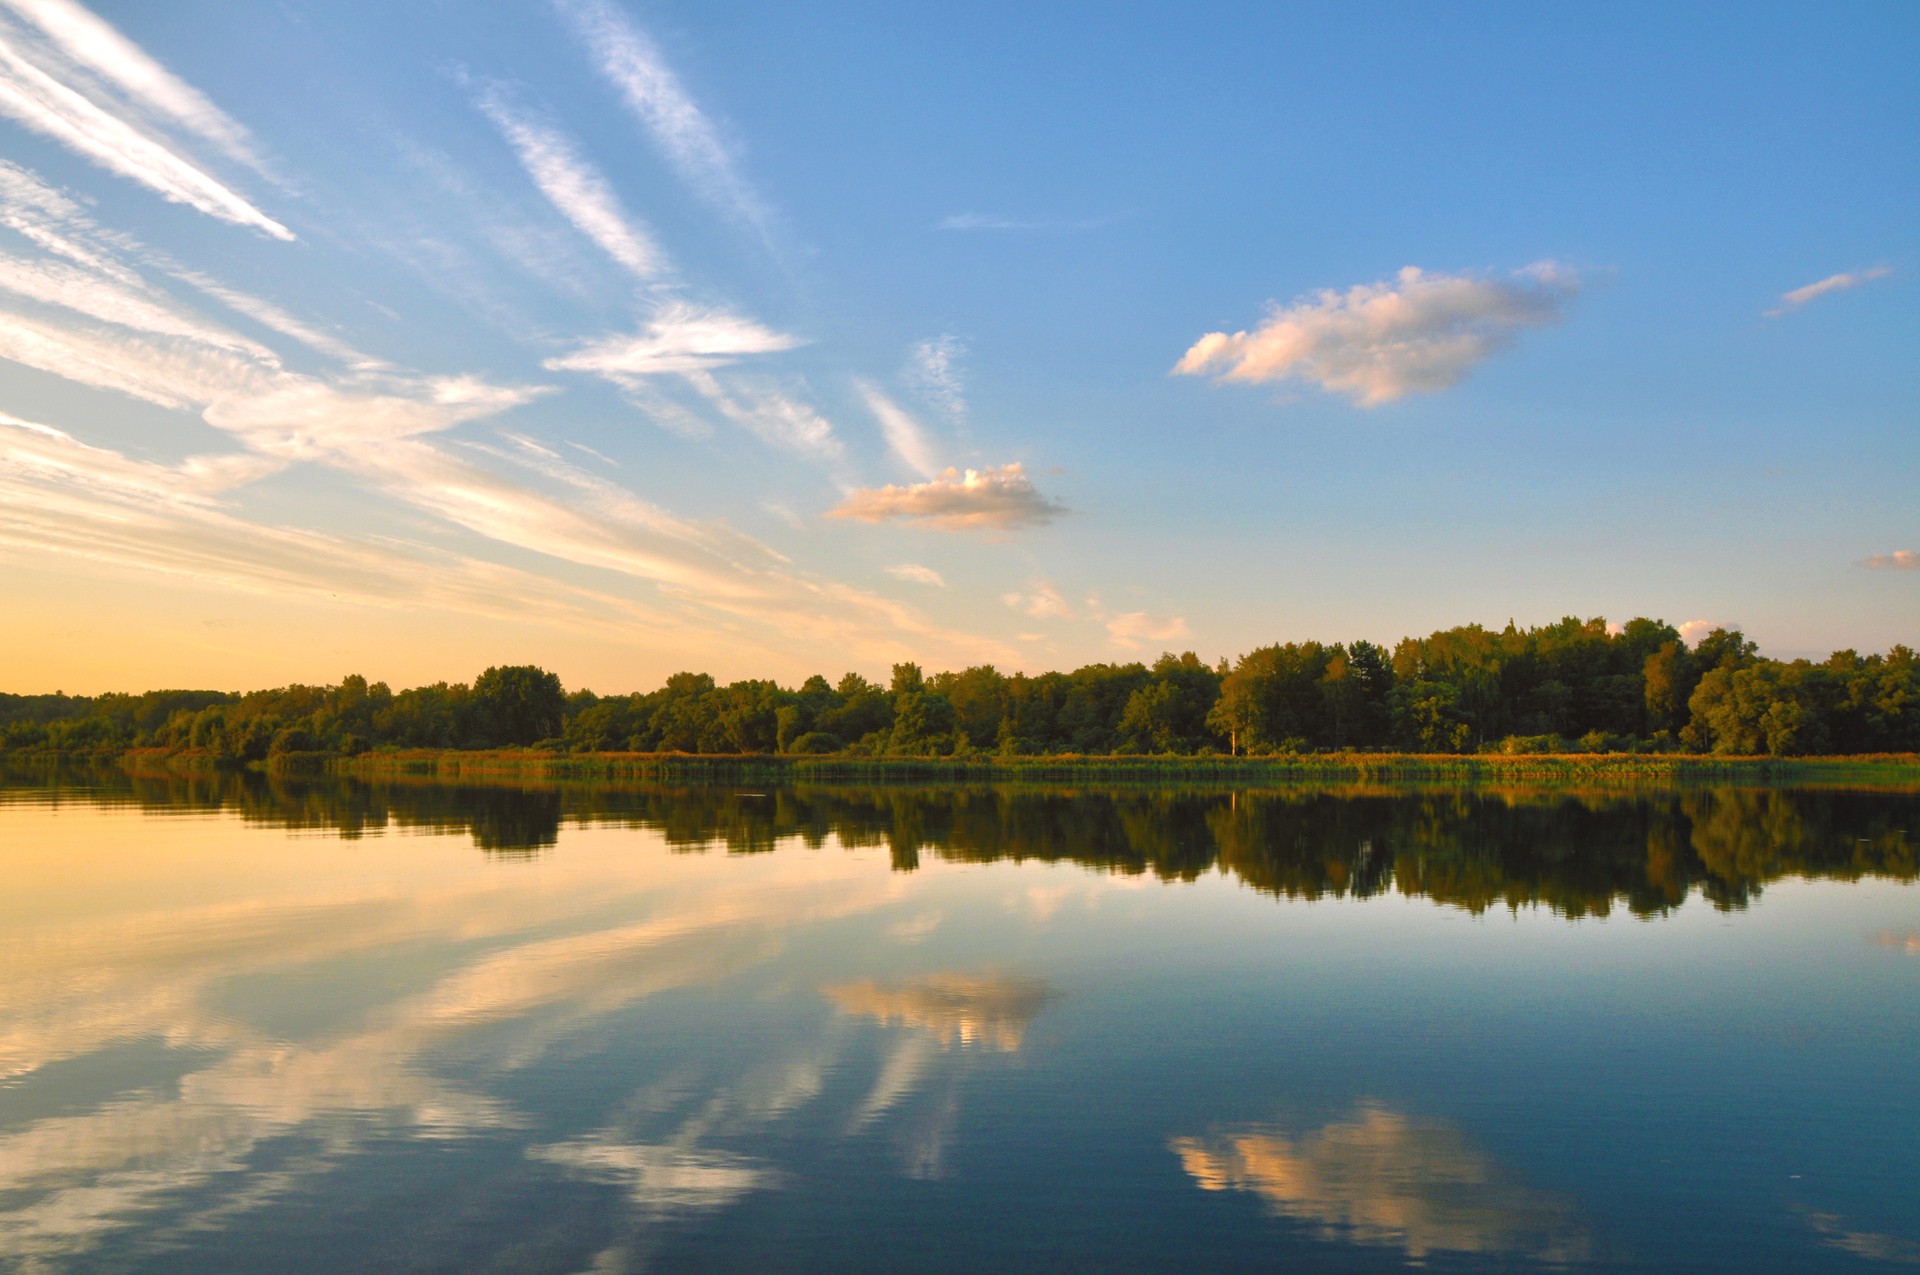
x=327 y=1026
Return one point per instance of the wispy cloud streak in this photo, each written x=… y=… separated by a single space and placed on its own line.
x=1791 y=301
x=914 y=573
x=678 y=339
x=86 y=292
x=269 y=315
x=579 y=191
x=775 y=415
x=631 y=62
x=903 y=433
x=88 y=42
x=933 y=370
x=37 y=100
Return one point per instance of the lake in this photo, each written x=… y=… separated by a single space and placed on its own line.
x=324 y=1025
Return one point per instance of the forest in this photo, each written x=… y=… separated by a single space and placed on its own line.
x=1577 y=686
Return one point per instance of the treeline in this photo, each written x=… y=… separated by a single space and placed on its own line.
x=1574 y=686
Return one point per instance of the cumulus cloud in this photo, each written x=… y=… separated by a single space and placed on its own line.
x=1001 y=498
x=634 y=66
x=917 y=574
x=1134 y=627
x=1791 y=301
x=579 y=191
x=42 y=95
x=1898 y=560
x=1376 y=342
x=903 y=433
x=1693 y=630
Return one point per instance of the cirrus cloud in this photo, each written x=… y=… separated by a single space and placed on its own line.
x=679 y=338
x=43 y=87
x=1000 y=498
x=1791 y=301
x=1414 y=334
x=914 y=573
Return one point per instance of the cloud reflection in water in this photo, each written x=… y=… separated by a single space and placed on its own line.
x=1382 y=1178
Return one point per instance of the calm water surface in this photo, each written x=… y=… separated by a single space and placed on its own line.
x=330 y=1026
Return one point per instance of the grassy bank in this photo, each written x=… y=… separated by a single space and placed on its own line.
x=1897 y=770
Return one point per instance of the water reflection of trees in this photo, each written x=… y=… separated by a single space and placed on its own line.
x=1578 y=852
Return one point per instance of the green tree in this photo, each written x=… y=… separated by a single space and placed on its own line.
x=518 y=704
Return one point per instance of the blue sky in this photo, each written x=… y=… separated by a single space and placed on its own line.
x=773 y=339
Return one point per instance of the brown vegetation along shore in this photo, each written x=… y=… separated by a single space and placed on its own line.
x=1897 y=770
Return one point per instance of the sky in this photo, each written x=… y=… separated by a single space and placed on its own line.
x=766 y=339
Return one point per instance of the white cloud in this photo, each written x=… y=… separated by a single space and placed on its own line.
x=1045 y=602
x=43 y=103
x=86 y=42
x=60 y=495
x=704 y=582
x=105 y=280
x=903 y=433
x=680 y=338
x=602 y=457
x=171 y=374
x=1791 y=301
x=714 y=579
x=1693 y=630
x=1898 y=560
x=917 y=574
x=56 y=223
x=1000 y=498
x=269 y=315
x=933 y=370
x=1377 y=342
x=660 y=1178
x=576 y=188
x=112 y=301
x=631 y=62
x=1134 y=627
x=1381 y=1178
x=775 y=415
